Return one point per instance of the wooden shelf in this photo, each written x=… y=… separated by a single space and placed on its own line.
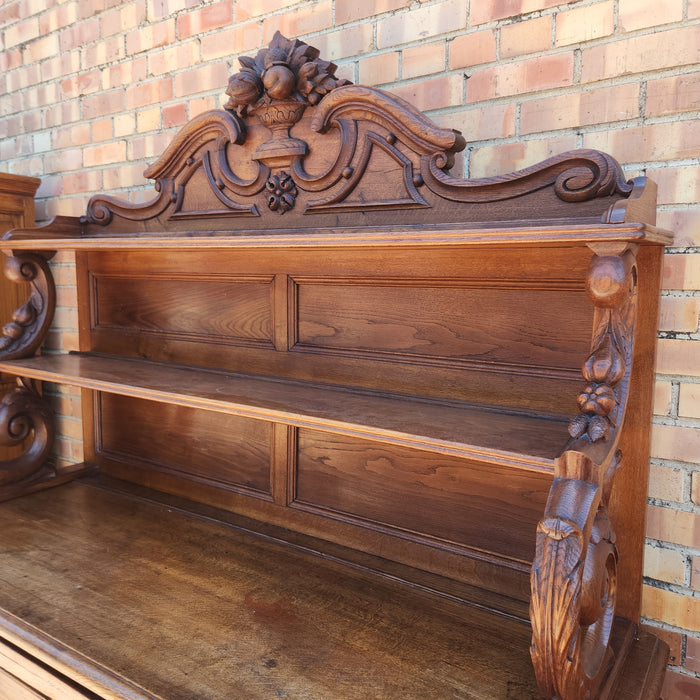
x=446 y=235
x=521 y=441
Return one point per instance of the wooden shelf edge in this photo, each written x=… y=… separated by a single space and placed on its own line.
x=69 y=662
x=454 y=234
x=67 y=369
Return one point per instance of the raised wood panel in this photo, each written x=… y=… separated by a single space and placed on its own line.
x=207 y=309
x=434 y=368
x=441 y=319
x=426 y=494
x=230 y=451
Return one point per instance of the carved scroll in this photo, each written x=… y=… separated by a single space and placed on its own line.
x=573 y=581
x=24 y=334
x=25 y=414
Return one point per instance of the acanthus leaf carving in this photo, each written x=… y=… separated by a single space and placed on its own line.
x=25 y=414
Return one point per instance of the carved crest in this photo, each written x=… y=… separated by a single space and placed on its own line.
x=296 y=140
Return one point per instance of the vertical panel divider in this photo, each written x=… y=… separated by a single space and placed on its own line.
x=283 y=463
x=281 y=312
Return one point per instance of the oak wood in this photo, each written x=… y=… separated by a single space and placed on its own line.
x=316 y=328
x=520 y=441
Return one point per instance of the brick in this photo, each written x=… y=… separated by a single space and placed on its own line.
x=250 y=9
x=679 y=314
x=677 y=185
x=60 y=66
x=482 y=123
x=692 y=654
x=378 y=70
x=695 y=488
x=491 y=10
x=666 y=483
x=103 y=103
x=56 y=18
x=350 y=41
x=297 y=23
x=664 y=565
x=531 y=36
x=680 y=686
x=148 y=120
x=678 y=357
x=38 y=50
x=89 y=8
x=174 y=115
x=682 y=271
x=423 y=60
x=473 y=49
x=677 y=443
x=672 y=608
x=673 y=526
x=124 y=177
x=111 y=49
x=351 y=10
x=125 y=73
x=156 y=9
x=22 y=32
x=115 y=21
x=679 y=93
x=150 y=36
x=102 y=130
x=104 y=154
x=600 y=106
x=150 y=93
x=584 y=24
x=244 y=37
x=81 y=84
x=662 y=398
x=61 y=161
x=434 y=93
x=653 y=142
x=425 y=22
x=689 y=400
x=693 y=9
x=684 y=224
x=639 y=14
x=521 y=77
x=86 y=181
x=202 y=79
x=79 y=34
x=504 y=158
x=666 y=49
x=10 y=58
x=205 y=19
x=673 y=639
x=124 y=125
x=147 y=147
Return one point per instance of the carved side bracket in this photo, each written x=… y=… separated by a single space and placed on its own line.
x=25 y=414
x=574 y=580
x=24 y=334
x=612 y=287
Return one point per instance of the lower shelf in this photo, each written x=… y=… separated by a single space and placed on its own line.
x=129 y=598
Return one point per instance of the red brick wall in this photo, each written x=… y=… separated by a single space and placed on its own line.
x=92 y=90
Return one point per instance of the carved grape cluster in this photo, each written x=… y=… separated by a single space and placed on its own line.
x=286 y=70
x=282 y=192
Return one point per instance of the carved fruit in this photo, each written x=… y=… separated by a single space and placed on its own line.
x=578 y=426
x=606 y=364
x=279 y=82
x=244 y=88
x=598 y=428
x=598 y=399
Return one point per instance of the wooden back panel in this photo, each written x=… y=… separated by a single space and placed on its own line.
x=450 y=323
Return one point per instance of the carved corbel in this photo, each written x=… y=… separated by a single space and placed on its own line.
x=25 y=333
x=612 y=287
x=574 y=581
x=25 y=416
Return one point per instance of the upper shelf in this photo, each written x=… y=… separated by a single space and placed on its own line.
x=521 y=441
x=68 y=233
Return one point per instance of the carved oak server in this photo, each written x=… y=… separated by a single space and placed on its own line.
x=316 y=332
